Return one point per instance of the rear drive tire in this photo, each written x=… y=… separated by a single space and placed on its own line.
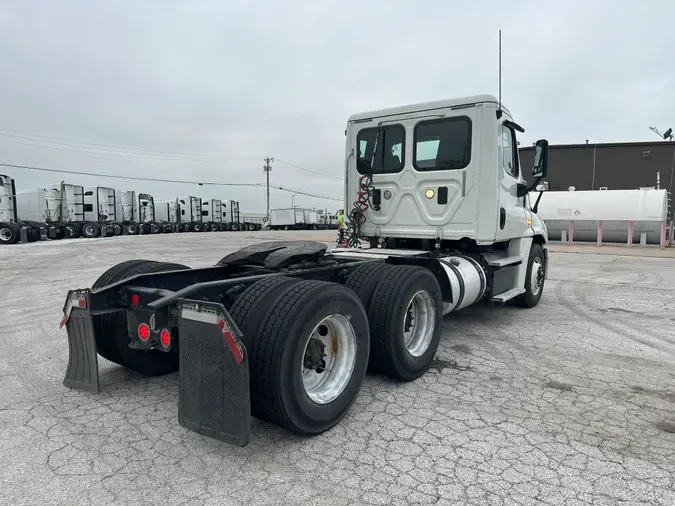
x=91 y=230
x=234 y=227
x=131 y=229
x=110 y=329
x=9 y=233
x=197 y=227
x=406 y=315
x=364 y=279
x=286 y=387
x=73 y=230
x=534 y=278
x=154 y=228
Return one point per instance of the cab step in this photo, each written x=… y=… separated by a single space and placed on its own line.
x=504 y=261
x=508 y=295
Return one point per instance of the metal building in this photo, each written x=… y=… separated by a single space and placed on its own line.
x=617 y=166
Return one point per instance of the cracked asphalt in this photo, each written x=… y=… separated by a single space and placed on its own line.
x=569 y=403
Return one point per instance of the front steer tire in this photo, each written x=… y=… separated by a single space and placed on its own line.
x=388 y=312
x=277 y=388
x=110 y=329
x=532 y=296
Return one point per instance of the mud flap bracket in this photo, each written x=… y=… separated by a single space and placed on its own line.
x=213 y=396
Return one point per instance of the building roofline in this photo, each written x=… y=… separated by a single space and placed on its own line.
x=604 y=145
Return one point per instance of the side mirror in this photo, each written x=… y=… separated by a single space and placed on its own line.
x=540 y=168
x=542 y=187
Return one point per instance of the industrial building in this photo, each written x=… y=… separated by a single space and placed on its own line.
x=615 y=166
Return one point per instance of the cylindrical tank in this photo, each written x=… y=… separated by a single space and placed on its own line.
x=647 y=208
x=467 y=282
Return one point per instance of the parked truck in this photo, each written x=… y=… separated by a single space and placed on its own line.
x=212 y=214
x=311 y=219
x=287 y=219
x=231 y=216
x=100 y=207
x=166 y=213
x=10 y=225
x=59 y=209
x=189 y=212
x=253 y=221
x=128 y=211
x=285 y=331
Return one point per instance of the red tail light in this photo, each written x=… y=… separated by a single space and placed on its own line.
x=135 y=300
x=144 y=332
x=165 y=338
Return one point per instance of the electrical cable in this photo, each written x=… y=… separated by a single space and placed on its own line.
x=352 y=236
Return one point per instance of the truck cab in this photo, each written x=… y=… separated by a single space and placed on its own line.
x=445 y=172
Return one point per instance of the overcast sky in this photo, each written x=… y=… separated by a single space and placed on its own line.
x=235 y=81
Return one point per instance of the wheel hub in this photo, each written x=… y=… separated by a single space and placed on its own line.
x=314 y=355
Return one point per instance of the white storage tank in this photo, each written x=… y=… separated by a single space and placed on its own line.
x=647 y=208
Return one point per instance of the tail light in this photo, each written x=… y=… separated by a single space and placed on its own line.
x=135 y=300
x=165 y=338
x=144 y=332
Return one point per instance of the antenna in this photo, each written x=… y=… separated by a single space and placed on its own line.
x=499 y=110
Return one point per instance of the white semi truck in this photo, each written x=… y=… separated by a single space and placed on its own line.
x=59 y=209
x=212 y=214
x=136 y=212
x=100 y=207
x=231 y=216
x=10 y=224
x=166 y=215
x=285 y=331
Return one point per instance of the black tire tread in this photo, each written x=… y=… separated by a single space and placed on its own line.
x=264 y=392
x=381 y=319
x=528 y=299
x=364 y=279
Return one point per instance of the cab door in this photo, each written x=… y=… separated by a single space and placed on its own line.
x=511 y=215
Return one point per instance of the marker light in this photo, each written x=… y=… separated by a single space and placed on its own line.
x=165 y=338
x=429 y=193
x=144 y=332
x=135 y=300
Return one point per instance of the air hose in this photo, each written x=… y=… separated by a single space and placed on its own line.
x=351 y=238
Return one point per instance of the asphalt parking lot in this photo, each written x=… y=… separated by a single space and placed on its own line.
x=572 y=402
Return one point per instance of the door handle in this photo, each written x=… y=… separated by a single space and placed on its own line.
x=502 y=218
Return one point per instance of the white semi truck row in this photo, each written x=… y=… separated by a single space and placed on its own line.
x=63 y=210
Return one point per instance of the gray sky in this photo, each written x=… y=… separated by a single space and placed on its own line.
x=239 y=80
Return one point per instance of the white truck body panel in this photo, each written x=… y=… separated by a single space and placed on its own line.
x=299 y=216
x=311 y=217
x=212 y=210
x=8 y=211
x=189 y=209
x=144 y=208
x=126 y=208
x=54 y=203
x=166 y=211
x=442 y=146
x=99 y=204
x=283 y=217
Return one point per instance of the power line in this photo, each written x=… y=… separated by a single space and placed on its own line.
x=159 y=180
x=308 y=171
x=19 y=135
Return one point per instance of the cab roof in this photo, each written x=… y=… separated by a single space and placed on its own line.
x=426 y=106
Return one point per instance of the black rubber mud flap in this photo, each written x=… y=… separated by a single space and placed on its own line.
x=82 y=371
x=213 y=397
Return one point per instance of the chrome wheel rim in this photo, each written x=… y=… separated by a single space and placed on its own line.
x=5 y=234
x=536 y=276
x=418 y=323
x=329 y=359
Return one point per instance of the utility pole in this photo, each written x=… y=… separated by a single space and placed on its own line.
x=267 y=168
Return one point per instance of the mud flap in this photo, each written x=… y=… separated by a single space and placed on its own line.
x=213 y=397
x=82 y=371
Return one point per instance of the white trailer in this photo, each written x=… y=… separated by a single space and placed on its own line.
x=212 y=214
x=253 y=221
x=287 y=219
x=58 y=208
x=285 y=331
x=311 y=219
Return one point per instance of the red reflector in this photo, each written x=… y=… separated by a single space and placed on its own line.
x=165 y=338
x=221 y=324
x=135 y=300
x=81 y=303
x=143 y=332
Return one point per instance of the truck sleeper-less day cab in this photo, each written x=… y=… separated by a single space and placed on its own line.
x=285 y=331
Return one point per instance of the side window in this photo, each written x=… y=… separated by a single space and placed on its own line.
x=205 y=213
x=87 y=194
x=443 y=144
x=390 y=155
x=88 y=208
x=510 y=151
